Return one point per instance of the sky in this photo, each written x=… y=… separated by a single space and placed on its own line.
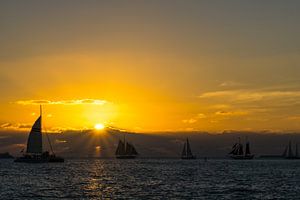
x=150 y=66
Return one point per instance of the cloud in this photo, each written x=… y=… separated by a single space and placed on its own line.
x=294 y=118
x=230 y=84
x=9 y=126
x=231 y=113
x=250 y=95
x=5 y=125
x=63 y=102
x=66 y=129
x=201 y=116
x=194 y=119
x=189 y=121
x=60 y=141
x=220 y=106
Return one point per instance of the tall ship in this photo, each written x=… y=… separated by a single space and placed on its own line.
x=288 y=152
x=125 y=150
x=186 y=151
x=34 y=150
x=238 y=152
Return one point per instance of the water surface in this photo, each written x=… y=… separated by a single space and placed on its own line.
x=151 y=179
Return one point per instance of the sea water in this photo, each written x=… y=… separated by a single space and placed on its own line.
x=151 y=179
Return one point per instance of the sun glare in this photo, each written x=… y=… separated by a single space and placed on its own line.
x=99 y=126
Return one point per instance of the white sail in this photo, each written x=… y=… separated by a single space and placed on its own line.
x=35 y=141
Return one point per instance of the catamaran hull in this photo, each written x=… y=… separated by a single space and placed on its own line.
x=126 y=157
x=188 y=158
x=39 y=159
x=22 y=160
x=242 y=157
x=31 y=160
x=56 y=160
x=292 y=158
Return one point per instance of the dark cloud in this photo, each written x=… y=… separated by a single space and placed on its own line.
x=88 y=144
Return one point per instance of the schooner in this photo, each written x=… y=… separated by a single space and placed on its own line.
x=125 y=150
x=238 y=153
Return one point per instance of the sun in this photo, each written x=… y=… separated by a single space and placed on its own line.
x=99 y=126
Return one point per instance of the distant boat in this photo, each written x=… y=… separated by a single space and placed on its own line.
x=125 y=150
x=34 y=152
x=288 y=152
x=5 y=155
x=237 y=152
x=186 y=151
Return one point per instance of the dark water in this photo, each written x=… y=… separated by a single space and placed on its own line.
x=151 y=179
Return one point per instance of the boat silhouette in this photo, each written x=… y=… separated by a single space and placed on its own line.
x=186 y=151
x=34 y=151
x=238 y=153
x=125 y=150
x=288 y=152
x=5 y=155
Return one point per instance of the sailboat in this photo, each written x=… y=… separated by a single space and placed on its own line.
x=125 y=150
x=237 y=151
x=34 y=151
x=186 y=151
x=288 y=152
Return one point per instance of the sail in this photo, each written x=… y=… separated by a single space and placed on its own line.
x=130 y=150
x=285 y=152
x=134 y=152
x=234 y=149
x=240 y=149
x=184 y=150
x=290 y=153
x=188 y=148
x=121 y=148
x=247 y=148
x=35 y=140
x=296 y=151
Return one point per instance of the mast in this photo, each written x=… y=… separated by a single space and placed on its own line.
x=187 y=146
x=184 y=150
x=125 y=145
x=290 y=153
x=296 y=151
x=48 y=139
x=240 y=148
x=247 y=148
x=41 y=110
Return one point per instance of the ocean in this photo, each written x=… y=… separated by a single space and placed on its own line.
x=151 y=179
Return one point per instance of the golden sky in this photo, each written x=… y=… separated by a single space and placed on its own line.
x=150 y=66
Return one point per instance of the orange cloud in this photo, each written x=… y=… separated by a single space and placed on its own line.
x=63 y=102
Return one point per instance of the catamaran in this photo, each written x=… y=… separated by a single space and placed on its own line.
x=186 y=151
x=237 y=151
x=34 y=151
x=288 y=152
x=125 y=150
